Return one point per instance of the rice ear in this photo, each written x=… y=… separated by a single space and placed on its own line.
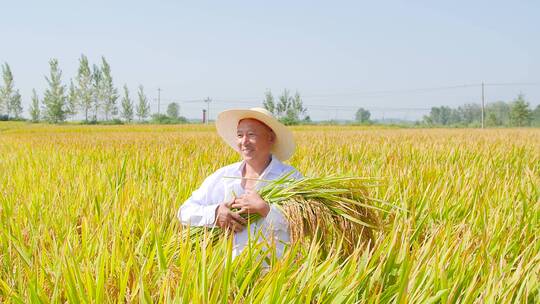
x=330 y=211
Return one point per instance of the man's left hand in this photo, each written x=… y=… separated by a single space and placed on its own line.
x=251 y=202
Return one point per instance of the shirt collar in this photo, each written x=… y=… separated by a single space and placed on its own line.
x=266 y=170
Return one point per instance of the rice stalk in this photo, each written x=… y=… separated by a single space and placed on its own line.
x=327 y=209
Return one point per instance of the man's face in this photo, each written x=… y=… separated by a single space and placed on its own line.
x=254 y=139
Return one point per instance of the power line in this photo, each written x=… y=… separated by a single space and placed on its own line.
x=225 y=103
x=370 y=94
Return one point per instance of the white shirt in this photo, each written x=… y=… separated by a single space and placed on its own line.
x=200 y=208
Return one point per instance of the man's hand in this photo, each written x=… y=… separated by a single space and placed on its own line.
x=251 y=202
x=227 y=219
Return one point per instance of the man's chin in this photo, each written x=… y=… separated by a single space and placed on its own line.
x=248 y=155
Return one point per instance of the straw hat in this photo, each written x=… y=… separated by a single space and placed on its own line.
x=227 y=122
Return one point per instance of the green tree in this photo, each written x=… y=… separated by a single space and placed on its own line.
x=445 y=114
x=268 y=102
x=520 y=113
x=97 y=91
x=497 y=113
x=536 y=116
x=84 y=86
x=54 y=99
x=15 y=105
x=143 y=108
x=362 y=115
x=440 y=116
x=296 y=109
x=34 y=107
x=470 y=113
x=72 y=100
x=173 y=110
x=492 y=120
x=109 y=92
x=455 y=117
x=127 y=106
x=283 y=104
x=289 y=109
x=6 y=91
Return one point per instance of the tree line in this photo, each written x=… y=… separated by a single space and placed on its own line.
x=516 y=113
x=92 y=94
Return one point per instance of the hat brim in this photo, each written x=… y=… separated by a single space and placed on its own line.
x=227 y=123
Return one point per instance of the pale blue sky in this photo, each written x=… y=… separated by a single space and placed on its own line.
x=336 y=53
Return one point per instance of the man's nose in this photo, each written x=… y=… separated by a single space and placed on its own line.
x=244 y=139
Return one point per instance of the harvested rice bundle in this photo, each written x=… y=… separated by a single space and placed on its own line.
x=330 y=209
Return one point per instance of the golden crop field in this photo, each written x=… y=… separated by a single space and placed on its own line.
x=88 y=214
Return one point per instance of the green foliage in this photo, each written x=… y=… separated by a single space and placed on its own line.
x=54 y=100
x=448 y=116
x=72 y=100
x=108 y=92
x=283 y=104
x=520 y=113
x=15 y=105
x=143 y=107
x=165 y=119
x=362 y=116
x=114 y=121
x=536 y=116
x=296 y=110
x=470 y=114
x=497 y=114
x=85 y=92
x=7 y=92
x=34 y=107
x=289 y=110
x=268 y=102
x=288 y=121
x=97 y=90
x=127 y=106
x=173 y=110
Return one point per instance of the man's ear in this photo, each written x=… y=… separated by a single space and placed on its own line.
x=272 y=137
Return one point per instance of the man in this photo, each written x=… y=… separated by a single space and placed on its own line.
x=263 y=143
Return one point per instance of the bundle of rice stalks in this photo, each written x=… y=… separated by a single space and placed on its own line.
x=333 y=210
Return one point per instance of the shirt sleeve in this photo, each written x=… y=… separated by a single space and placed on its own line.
x=200 y=208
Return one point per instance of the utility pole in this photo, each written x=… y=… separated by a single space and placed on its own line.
x=482 y=104
x=208 y=100
x=158 y=100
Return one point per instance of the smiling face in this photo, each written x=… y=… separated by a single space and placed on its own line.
x=254 y=139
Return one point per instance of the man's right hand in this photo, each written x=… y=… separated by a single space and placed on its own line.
x=228 y=219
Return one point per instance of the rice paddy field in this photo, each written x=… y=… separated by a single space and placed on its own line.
x=88 y=215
